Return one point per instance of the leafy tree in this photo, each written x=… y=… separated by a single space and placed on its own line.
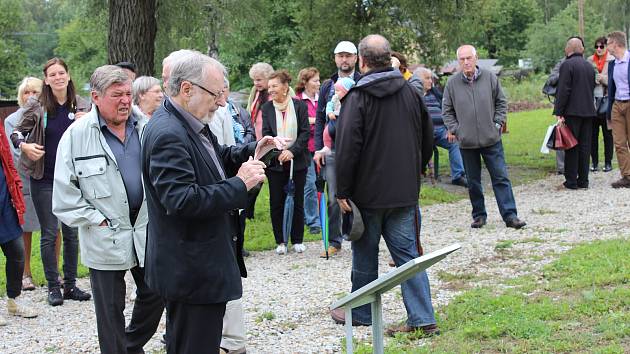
x=547 y=41
x=12 y=57
x=83 y=43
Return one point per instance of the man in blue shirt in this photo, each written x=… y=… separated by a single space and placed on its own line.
x=619 y=103
x=422 y=79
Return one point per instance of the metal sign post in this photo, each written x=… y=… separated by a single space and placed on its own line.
x=371 y=294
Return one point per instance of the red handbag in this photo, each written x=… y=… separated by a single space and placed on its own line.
x=564 y=138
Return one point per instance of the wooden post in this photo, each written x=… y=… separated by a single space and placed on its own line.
x=581 y=18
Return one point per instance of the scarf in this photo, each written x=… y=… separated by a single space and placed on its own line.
x=286 y=120
x=600 y=61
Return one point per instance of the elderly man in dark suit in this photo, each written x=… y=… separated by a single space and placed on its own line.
x=192 y=257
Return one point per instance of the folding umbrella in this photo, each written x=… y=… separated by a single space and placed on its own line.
x=289 y=203
x=323 y=208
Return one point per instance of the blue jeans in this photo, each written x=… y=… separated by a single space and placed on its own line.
x=311 y=207
x=397 y=227
x=494 y=159
x=454 y=156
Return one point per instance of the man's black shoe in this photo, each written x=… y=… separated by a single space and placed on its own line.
x=54 y=297
x=515 y=223
x=76 y=294
x=594 y=168
x=607 y=167
x=461 y=181
x=478 y=222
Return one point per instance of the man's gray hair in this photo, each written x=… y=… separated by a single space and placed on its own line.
x=105 y=76
x=192 y=67
x=474 y=50
x=178 y=54
x=422 y=70
x=375 y=51
x=141 y=85
x=226 y=82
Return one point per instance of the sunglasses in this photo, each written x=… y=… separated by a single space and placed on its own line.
x=601 y=46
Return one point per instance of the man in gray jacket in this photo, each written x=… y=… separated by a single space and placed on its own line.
x=474 y=110
x=98 y=188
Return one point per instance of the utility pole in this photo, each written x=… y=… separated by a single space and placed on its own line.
x=581 y=18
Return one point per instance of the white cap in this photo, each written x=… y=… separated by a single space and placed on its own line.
x=345 y=47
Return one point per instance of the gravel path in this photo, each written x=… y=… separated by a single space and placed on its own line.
x=286 y=297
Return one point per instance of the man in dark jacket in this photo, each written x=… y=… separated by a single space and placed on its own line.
x=384 y=139
x=192 y=259
x=575 y=107
x=345 y=60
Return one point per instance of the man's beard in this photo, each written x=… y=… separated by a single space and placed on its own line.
x=347 y=70
x=207 y=118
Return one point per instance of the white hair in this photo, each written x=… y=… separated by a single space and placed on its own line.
x=422 y=70
x=141 y=85
x=192 y=67
x=474 y=50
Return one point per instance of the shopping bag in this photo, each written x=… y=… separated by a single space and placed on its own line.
x=545 y=148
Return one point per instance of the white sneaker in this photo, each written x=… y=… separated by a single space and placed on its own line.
x=299 y=248
x=3 y=322
x=16 y=308
x=281 y=249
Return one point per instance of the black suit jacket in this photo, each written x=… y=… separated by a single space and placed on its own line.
x=301 y=155
x=191 y=253
x=574 y=97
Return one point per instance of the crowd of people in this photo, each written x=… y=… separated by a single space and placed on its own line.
x=159 y=178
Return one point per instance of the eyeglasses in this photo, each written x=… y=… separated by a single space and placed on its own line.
x=601 y=46
x=215 y=95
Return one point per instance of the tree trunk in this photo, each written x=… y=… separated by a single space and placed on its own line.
x=132 y=29
x=580 y=5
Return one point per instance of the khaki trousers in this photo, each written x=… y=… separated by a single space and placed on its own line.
x=620 y=119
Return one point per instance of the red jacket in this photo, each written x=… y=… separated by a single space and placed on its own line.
x=14 y=183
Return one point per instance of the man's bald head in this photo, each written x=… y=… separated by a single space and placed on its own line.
x=374 y=52
x=574 y=45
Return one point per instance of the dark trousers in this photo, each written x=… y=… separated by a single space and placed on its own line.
x=194 y=328
x=41 y=193
x=108 y=291
x=334 y=212
x=598 y=122
x=277 y=197
x=576 y=159
x=494 y=159
x=14 y=267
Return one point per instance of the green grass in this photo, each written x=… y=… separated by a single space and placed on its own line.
x=37 y=268
x=528 y=89
x=580 y=304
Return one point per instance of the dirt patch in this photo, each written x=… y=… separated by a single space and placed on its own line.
x=527 y=106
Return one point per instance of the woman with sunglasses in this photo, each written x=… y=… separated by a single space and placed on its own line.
x=600 y=60
x=37 y=136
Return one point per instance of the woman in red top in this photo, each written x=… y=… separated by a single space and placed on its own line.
x=307 y=90
x=11 y=217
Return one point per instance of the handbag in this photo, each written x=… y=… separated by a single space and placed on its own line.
x=564 y=138
x=602 y=106
x=544 y=148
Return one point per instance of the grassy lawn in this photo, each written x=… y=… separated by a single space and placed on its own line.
x=580 y=303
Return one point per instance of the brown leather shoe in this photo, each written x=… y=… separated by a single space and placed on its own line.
x=425 y=331
x=624 y=182
x=339 y=316
x=332 y=250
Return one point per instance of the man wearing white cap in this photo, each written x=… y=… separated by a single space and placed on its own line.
x=345 y=60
